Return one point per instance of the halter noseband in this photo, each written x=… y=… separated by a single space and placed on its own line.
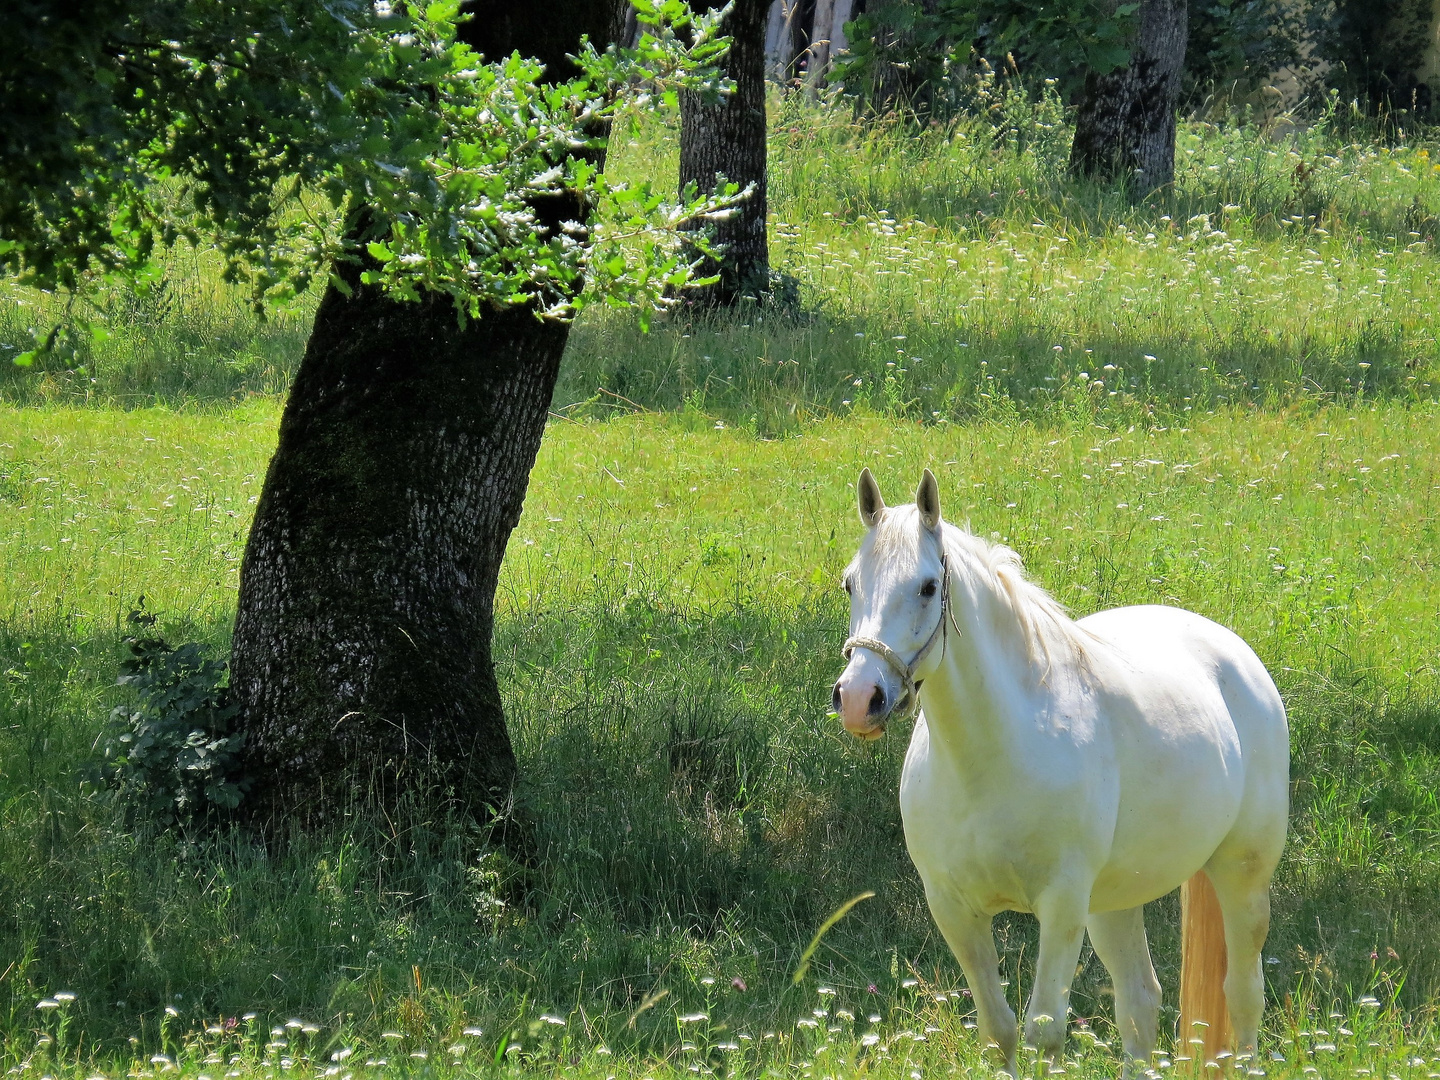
x=910 y=694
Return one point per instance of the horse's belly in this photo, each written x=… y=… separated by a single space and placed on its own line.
x=968 y=865
x=1120 y=887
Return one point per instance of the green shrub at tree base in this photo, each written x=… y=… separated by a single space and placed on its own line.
x=172 y=755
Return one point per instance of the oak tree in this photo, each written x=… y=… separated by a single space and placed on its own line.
x=440 y=177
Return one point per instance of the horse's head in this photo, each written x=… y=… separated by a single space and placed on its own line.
x=898 y=597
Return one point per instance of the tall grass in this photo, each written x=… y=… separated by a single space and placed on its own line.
x=185 y=337
x=957 y=270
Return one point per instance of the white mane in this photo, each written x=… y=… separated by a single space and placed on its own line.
x=1049 y=631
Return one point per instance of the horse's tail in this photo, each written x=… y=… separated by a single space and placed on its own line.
x=1202 y=973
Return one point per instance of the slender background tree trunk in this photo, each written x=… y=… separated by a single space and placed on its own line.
x=779 y=36
x=361 y=657
x=1125 y=127
x=729 y=138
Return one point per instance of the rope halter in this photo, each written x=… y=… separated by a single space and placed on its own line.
x=910 y=690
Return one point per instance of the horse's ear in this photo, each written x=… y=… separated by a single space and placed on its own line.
x=927 y=500
x=872 y=504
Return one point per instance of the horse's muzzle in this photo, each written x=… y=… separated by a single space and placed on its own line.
x=877 y=709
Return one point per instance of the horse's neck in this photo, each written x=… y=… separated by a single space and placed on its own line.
x=978 y=704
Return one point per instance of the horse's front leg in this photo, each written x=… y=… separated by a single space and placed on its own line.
x=971 y=939
x=1062 y=912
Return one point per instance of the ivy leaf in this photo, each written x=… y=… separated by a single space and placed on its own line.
x=1107 y=58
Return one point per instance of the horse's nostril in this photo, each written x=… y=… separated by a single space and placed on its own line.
x=877 y=702
x=835 y=698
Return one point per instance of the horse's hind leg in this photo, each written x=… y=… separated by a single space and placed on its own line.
x=1119 y=941
x=1243 y=888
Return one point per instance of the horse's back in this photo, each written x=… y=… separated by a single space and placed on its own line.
x=1199 y=728
x=1169 y=648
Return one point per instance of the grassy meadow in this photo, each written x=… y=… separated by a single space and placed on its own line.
x=1222 y=399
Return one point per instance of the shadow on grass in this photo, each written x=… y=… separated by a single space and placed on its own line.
x=771 y=372
x=696 y=815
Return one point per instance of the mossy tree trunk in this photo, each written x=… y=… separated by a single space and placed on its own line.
x=1125 y=127
x=728 y=139
x=361 y=657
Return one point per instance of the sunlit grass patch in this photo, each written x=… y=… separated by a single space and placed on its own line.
x=102 y=506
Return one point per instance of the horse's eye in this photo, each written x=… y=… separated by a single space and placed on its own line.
x=928 y=589
x=848 y=587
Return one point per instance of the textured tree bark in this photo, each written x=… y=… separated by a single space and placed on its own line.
x=362 y=640
x=844 y=11
x=729 y=138
x=1125 y=127
x=361 y=656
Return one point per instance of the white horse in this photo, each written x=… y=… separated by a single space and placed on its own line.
x=1075 y=770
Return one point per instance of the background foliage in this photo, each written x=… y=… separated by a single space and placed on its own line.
x=921 y=55
x=918 y=52
x=291 y=135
